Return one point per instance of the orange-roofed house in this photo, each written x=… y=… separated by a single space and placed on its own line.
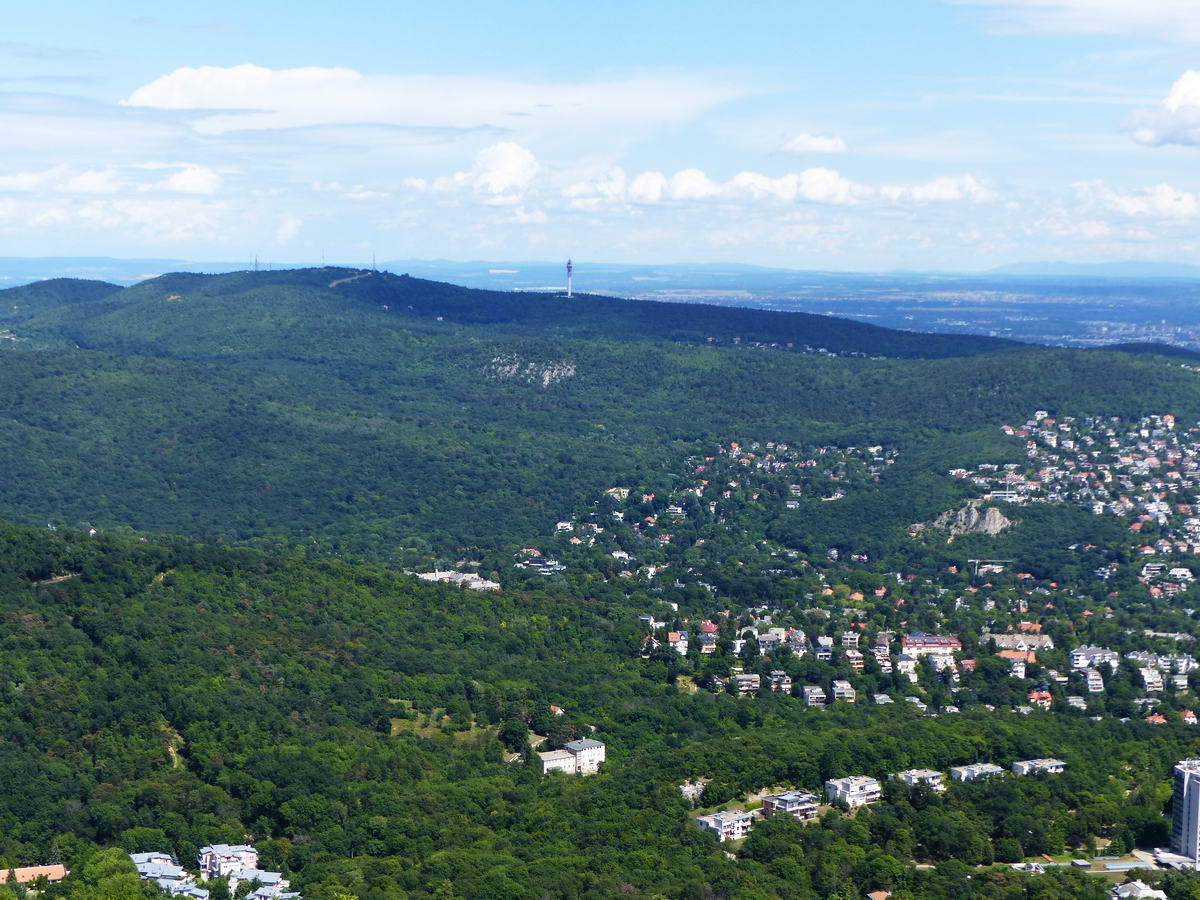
x=1189 y=717
x=1030 y=627
x=1040 y=698
x=33 y=873
x=1156 y=719
x=1025 y=656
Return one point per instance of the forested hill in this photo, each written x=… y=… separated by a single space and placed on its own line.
x=356 y=725
x=390 y=301
x=363 y=411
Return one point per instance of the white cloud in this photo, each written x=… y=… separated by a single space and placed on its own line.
x=194 y=180
x=362 y=192
x=501 y=174
x=811 y=143
x=93 y=182
x=1160 y=201
x=1087 y=229
x=288 y=229
x=254 y=97
x=532 y=217
x=815 y=185
x=504 y=167
x=691 y=184
x=648 y=187
x=1174 y=121
x=828 y=186
x=1171 y=20
x=948 y=189
x=28 y=181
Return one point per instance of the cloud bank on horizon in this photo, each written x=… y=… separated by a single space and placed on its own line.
x=910 y=144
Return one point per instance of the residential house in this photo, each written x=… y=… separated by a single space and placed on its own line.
x=930 y=778
x=1136 y=890
x=222 y=860
x=921 y=644
x=813 y=695
x=29 y=874
x=747 y=683
x=1090 y=657
x=1039 y=766
x=1020 y=641
x=728 y=826
x=844 y=690
x=853 y=790
x=582 y=757
x=975 y=771
x=781 y=681
x=799 y=804
x=1040 y=699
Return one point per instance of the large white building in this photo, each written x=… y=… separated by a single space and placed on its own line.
x=975 y=771
x=223 y=860
x=728 y=826
x=1039 y=766
x=1185 y=809
x=582 y=757
x=929 y=777
x=853 y=790
x=802 y=805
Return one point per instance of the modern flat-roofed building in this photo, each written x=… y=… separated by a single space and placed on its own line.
x=853 y=790
x=1185 y=810
x=975 y=771
x=844 y=690
x=800 y=804
x=1039 y=767
x=929 y=777
x=728 y=826
x=813 y=695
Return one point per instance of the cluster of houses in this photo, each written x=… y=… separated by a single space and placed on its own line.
x=237 y=863
x=581 y=757
x=758 y=473
x=1146 y=472
x=532 y=560
x=860 y=790
x=469 y=580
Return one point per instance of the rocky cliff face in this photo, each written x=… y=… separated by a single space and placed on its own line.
x=970 y=519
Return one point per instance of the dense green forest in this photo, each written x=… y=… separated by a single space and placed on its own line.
x=171 y=695
x=385 y=412
x=206 y=632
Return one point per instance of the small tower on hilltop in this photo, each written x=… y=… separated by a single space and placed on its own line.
x=570 y=268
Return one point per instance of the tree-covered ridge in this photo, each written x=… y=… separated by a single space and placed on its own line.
x=348 y=719
x=269 y=405
x=389 y=301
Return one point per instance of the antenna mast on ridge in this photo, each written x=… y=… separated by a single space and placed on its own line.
x=570 y=268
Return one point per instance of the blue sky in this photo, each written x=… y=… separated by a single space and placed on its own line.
x=947 y=134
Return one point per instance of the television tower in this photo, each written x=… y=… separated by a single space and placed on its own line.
x=570 y=267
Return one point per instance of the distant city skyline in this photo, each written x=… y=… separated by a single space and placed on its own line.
x=933 y=134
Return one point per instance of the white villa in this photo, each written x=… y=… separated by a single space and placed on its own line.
x=582 y=757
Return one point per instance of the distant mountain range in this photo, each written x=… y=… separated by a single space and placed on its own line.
x=1128 y=269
